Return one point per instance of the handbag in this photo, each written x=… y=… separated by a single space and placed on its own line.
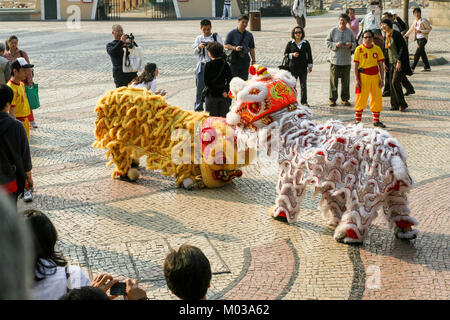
x=234 y=56
x=33 y=96
x=285 y=64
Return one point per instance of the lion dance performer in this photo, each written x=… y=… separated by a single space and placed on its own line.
x=196 y=149
x=358 y=171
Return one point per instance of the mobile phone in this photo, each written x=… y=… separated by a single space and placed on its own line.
x=119 y=289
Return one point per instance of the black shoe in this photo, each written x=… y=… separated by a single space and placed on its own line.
x=135 y=165
x=124 y=177
x=386 y=94
x=332 y=103
x=346 y=103
x=403 y=108
x=408 y=92
x=379 y=124
x=426 y=70
x=395 y=108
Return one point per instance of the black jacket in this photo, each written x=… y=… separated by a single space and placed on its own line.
x=402 y=51
x=402 y=24
x=217 y=83
x=15 y=158
x=299 y=65
x=115 y=51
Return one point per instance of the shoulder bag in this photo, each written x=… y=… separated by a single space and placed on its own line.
x=234 y=56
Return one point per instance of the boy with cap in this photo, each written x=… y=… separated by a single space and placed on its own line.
x=20 y=108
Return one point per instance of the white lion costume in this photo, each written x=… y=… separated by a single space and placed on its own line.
x=358 y=170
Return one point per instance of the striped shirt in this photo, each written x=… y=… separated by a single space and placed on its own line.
x=227 y=3
x=340 y=56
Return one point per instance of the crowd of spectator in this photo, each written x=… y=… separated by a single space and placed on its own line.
x=32 y=268
x=30 y=265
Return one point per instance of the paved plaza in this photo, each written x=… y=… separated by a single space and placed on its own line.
x=126 y=229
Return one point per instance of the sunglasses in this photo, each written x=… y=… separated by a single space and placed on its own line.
x=297 y=32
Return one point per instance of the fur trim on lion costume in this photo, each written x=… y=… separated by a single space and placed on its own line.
x=188 y=145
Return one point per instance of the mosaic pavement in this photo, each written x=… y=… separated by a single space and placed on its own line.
x=127 y=229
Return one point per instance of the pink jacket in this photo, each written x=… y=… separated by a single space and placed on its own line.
x=17 y=54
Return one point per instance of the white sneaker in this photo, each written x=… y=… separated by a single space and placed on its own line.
x=27 y=196
x=33 y=124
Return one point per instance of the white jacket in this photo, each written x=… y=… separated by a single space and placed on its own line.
x=299 y=8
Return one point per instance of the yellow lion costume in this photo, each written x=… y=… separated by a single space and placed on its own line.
x=196 y=149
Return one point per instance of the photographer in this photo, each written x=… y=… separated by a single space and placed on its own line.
x=240 y=43
x=115 y=51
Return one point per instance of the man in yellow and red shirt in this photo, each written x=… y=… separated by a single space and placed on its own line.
x=369 y=74
x=20 y=108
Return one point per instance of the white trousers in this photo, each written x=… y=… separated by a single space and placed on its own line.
x=226 y=9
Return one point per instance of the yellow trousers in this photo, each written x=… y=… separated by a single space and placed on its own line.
x=26 y=125
x=369 y=84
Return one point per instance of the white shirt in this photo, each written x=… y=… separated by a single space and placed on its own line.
x=419 y=35
x=299 y=8
x=202 y=55
x=151 y=85
x=370 y=22
x=54 y=286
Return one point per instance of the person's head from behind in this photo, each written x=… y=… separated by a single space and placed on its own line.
x=150 y=72
x=351 y=13
x=12 y=43
x=19 y=69
x=386 y=25
x=44 y=238
x=6 y=97
x=205 y=26
x=368 y=38
x=117 y=31
x=215 y=50
x=387 y=15
x=16 y=252
x=298 y=33
x=343 y=20
x=188 y=273
x=417 y=13
x=85 y=293
x=394 y=13
x=2 y=49
x=242 y=22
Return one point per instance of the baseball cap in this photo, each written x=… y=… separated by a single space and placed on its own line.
x=21 y=63
x=392 y=12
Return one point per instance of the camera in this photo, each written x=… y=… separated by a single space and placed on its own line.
x=131 y=43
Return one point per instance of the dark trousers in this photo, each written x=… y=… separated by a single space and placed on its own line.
x=405 y=83
x=200 y=84
x=123 y=79
x=396 y=78
x=302 y=78
x=337 y=72
x=420 y=53
x=217 y=106
x=301 y=21
x=240 y=68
